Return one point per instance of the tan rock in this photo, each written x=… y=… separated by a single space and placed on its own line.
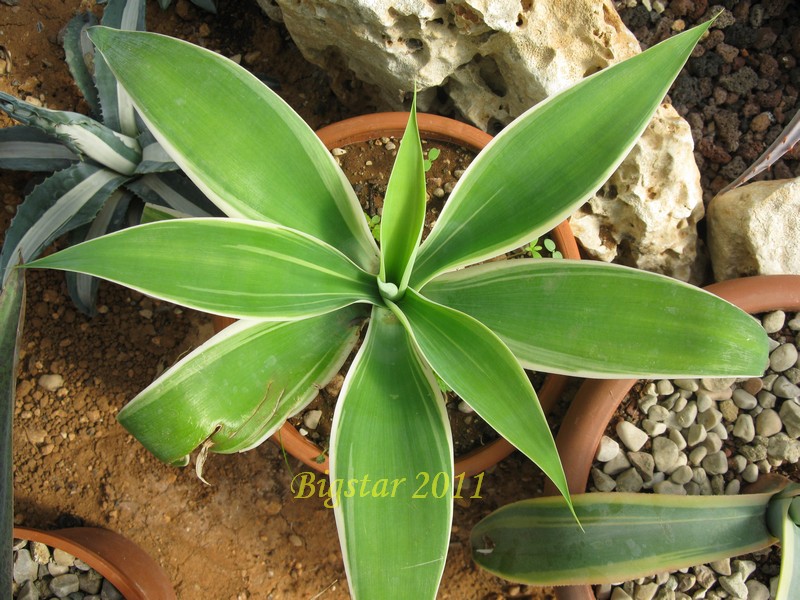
x=755 y=230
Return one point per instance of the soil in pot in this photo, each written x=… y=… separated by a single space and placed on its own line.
x=708 y=436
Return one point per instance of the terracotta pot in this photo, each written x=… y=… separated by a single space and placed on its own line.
x=129 y=568
x=597 y=400
x=434 y=128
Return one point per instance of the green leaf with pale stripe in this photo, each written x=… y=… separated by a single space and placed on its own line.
x=390 y=428
x=25 y=148
x=78 y=53
x=626 y=536
x=63 y=201
x=550 y=160
x=264 y=163
x=239 y=387
x=12 y=303
x=231 y=267
x=593 y=319
x=403 y=209
x=476 y=364
x=175 y=191
x=782 y=519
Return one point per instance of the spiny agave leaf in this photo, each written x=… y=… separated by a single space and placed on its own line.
x=25 y=148
x=79 y=133
x=550 y=160
x=65 y=200
x=79 y=54
x=268 y=166
x=176 y=191
x=208 y=5
x=118 y=111
x=239 y=387
x=781 y=517
x=592 y=319
x=112 y=217
x=403 y=210
x=390 y=403
x=625 y=536
x=280 y=274
x=12 y=303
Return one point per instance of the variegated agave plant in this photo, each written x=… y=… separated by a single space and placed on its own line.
x=101 y=166
x=296 y=263
x=627 y=536
x=208 y=5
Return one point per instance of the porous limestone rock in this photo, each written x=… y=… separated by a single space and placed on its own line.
x=755 y=230
x=495 y=59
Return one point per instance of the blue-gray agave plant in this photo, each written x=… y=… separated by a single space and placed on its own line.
x=102 y=166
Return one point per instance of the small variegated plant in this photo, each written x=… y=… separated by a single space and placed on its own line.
x=297 y=264
x=627 y=536
x=102 y=165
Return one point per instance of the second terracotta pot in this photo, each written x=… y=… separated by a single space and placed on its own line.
x=597 y=400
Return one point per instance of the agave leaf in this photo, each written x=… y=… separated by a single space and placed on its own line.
x=25 y=148
x=390 y=436
x=592 y=319
x=175 y=191
x=62 y=202
x=551 y=160
x=118 y=110
x=208 y=5
x=267 y=166
x=279 y=274
x=476 y=364
x=12 y=302
x=782 y=520
x=239 y=387
x=625 y=536
x=154 y=157
x=83 y=288
x=403 y=209
x=79 y=54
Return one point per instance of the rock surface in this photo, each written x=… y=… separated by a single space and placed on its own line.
x=755 y=230
x=494 y=60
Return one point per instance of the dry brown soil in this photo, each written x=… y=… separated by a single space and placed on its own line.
x=243 y=536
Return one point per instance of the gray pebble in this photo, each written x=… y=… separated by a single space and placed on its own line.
x=744 y=399
x=682 y=475
x=716 y=463
x=603 y=482
x=676 y=436
x=665 y=454
x=63 y=585
x=729 y=411
x=62 y=558
x=647 y=402
x=756 y=451
x=51 y=382
x=28 y=592
x=750 y=473
x=644 y=463
x=769 y=380
x=705 y=576
x=653 y=428
x=109 y=592
x=716 y=384
x=630 y=435
x=790 y=417
x=744 y=429
x=607 y=449
x=696 y=434
x=40 y=552
x=772 y=322
x=620 y=594
x=658 y=413
x=709 y=418
x=712 y=442
x=646 y=591
x=794 y=324
x=756 y=590
x=25 y=568
x=689 y=385
x=782 y=447
x=664 y=387
x=766 y=399
x=616 y=465
x=629 y=481
x=783 y=357
x=687 y=416
x=669 y=487
x=768 y=423
x=697 y=455
x=704 y=402
x=734 y=585
x=722 y=567
x=738 y=463
x=733 y=487
x=783 y=388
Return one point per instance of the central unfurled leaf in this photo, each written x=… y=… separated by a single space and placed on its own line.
x=540 y=169
x=593 y=319
x=240 y=269
x=239 y=142
x=403 y=209
x=392 y=469
x=476 y=364
x=625 y=536
x=238 y=388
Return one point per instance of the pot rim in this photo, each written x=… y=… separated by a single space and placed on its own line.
x=597 y=400
x=127 y=566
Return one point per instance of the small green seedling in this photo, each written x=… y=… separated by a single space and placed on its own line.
x=534 y=249
x=433 y=154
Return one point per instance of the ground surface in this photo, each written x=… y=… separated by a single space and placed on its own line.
x=245 y=536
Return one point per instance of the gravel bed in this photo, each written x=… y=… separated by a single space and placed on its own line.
x=708 y=436
x=44 y=573
x=740 y=87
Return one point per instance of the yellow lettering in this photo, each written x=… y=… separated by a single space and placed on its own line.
x=395 y=483
x=306 y=483
x=379 y=488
